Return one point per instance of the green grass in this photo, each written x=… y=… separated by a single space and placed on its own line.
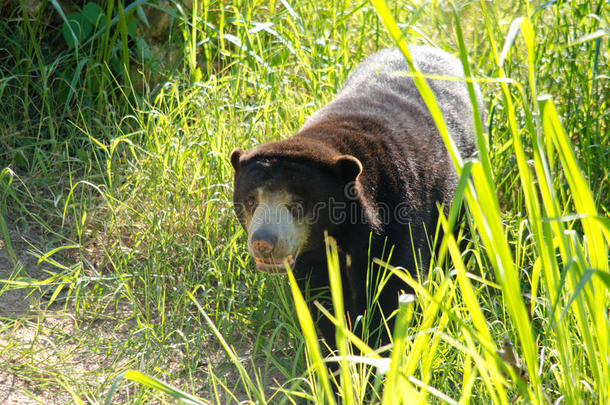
x=144 y=291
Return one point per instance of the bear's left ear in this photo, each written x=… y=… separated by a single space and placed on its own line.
x=347 y=167
x=235 y=155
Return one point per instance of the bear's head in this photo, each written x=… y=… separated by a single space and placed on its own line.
x=283 y=196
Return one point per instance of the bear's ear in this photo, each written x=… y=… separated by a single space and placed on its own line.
x=347 y=167
x=235 y=155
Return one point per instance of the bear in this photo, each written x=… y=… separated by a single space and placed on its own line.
x=370 y=169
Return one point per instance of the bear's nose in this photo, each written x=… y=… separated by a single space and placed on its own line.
x=263 y=242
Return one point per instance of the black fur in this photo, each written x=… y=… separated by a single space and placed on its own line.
x=390 y=190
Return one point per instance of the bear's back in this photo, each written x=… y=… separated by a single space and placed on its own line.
x=378 y=89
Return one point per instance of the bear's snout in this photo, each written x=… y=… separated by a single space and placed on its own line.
x=263 y=242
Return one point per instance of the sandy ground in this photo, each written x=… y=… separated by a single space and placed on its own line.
x=15 y=304
x=20 y=312
x=40 y=345
x=31 y=332
x=42 y=352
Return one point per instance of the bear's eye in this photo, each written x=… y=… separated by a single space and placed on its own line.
x=297 y=208
x=250 y=202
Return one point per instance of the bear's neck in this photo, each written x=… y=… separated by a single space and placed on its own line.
x=363 y=138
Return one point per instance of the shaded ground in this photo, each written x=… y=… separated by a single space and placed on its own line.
x=48 y=351
x=18 y=304
x=41 y=343
x=15 y=302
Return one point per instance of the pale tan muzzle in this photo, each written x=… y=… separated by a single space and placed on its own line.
x=274 y=235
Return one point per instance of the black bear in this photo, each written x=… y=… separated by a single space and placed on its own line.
x=369 y=168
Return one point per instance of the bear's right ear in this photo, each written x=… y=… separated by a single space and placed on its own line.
x=235 y=155
x=347 y=167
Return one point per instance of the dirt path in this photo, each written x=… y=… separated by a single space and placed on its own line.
x=47 y=351
x=16 y=304
x=44 y=350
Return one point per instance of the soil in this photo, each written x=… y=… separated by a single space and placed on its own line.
x=42 y=345
x=36 y=338
x=15 y=303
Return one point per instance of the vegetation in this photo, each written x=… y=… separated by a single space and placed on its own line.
x=121 y=189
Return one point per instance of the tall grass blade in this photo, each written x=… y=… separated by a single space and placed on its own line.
x=6 y=237
x=252 y=388
x=336 y=289
x=484 y=207
x=311 y=340
x=161 y=386
x=397 y=391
